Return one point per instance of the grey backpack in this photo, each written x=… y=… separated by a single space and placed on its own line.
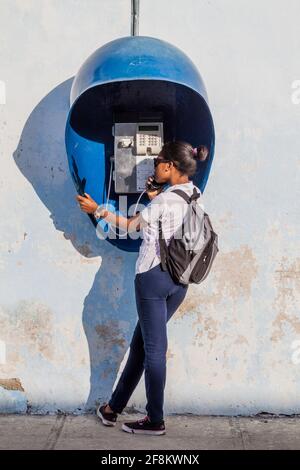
x=192 y=249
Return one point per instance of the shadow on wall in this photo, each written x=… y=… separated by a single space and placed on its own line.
x=41 y=157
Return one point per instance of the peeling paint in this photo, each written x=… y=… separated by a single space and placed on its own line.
x=241 y=339
x=109 y=334
x=169 y=354
x=231 y=277
x=11 y=384
x=85 y=250
x=287 y=281
x=29 y=324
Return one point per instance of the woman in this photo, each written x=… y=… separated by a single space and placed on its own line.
x=157 y=296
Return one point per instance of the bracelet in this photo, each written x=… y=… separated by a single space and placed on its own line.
x=98 y=211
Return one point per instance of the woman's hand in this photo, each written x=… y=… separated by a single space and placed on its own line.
x=87 y=204
x=153 y=192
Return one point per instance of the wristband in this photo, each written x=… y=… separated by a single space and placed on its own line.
x=98 y=211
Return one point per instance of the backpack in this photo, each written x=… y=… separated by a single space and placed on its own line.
x=193 y=247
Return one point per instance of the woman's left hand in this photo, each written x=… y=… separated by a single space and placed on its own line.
x=87 y=204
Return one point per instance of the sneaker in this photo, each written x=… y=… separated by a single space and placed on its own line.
x=109 y=419
x=144 y=426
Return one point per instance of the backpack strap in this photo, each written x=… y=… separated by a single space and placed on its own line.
x=163 y=248
x=187 y=198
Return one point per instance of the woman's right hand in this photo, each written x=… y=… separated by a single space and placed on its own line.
x=153 y=192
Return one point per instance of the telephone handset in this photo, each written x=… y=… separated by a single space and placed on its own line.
x=154 y=185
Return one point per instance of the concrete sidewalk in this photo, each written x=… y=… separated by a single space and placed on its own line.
x=183 y=432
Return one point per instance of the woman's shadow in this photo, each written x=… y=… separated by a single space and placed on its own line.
x=109 y=313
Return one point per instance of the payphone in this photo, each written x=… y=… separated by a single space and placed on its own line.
x=135 y=147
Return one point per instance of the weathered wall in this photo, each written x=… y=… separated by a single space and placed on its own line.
x=67 y=299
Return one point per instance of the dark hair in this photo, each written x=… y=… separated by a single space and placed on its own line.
x=184 y=155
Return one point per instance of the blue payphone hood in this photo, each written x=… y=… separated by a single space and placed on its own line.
x=137 y=57
x=135 y=74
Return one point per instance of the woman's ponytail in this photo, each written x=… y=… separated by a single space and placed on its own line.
x=200 y=153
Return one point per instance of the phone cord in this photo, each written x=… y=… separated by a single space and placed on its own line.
x=108 y=195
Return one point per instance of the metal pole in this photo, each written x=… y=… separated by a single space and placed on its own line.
x=135 y=4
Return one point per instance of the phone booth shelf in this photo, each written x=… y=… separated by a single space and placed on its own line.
x=133 y=79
